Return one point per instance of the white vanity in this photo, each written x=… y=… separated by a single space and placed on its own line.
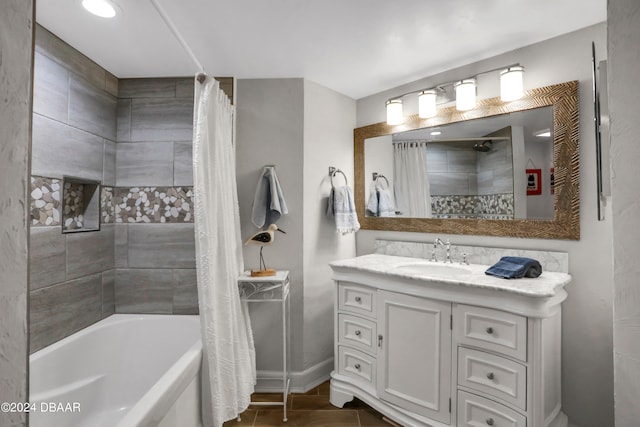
x=434 y=344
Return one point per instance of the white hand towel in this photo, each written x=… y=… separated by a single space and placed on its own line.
x=385 y=203
x=372 y=203
x=345 y=210
x=268 y=202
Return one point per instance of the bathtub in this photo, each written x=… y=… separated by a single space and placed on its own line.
x=126 y=370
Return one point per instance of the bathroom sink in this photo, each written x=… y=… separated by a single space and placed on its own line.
x=431 y=269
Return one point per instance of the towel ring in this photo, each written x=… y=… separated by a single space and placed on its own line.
x=377 y=176
x=346 y=182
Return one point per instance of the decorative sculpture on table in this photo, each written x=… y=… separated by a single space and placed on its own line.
x=263 y=238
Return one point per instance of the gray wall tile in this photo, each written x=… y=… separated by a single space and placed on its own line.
x=144 y=291
x=90 y=252
x=50 y=88
x=109 y=163
x=56 y=49
x=108 y=292
x=164 y=119
x=111 y=84
x=147 y=88
x=121 y=249
x=58 y=150
x=47 y=255
x=91 y=109
x=144 y=163
x=60 y=310
x=450 y=183
x=183 y=163
x=185 y=291
x=123 y=120
x=184 y=88
x=161 y=246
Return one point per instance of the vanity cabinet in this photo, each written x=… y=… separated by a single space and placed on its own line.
x=431 y=353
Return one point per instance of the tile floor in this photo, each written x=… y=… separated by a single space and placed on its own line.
x=311 y=409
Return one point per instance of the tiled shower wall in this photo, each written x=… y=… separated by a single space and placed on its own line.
x=72 y=276
x=133 y=135
x=154 y=230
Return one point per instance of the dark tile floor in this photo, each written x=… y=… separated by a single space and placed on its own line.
x=311 y=409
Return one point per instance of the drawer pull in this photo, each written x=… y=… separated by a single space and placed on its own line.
x=358 y=300
x=489 y=330
x=358 y=333
x=380 y=341
x=489 y=421
x=357 y=366
x=490 y=375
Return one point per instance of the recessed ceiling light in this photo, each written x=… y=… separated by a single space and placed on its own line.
x=545 y=133
x=436 y=133
x=101 y=8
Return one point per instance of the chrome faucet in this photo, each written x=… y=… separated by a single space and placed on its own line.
x=436 y=242
x=448 y=245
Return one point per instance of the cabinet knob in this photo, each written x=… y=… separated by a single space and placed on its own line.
x=489 y=330
x=358 y=299
x=358 y=333
x=357 y=366
x=490 y=375
x=489 y=421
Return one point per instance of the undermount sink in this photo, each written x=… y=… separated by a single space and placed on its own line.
x=423 y=268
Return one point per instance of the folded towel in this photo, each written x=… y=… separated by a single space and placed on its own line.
x=511 y=267
x=343 y=209
x=268 y=202
x=385 y=203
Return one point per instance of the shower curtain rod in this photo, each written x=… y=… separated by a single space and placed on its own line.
x=165 y=17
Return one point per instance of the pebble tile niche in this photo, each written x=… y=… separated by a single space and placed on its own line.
x=117 y=204
x=490 y=206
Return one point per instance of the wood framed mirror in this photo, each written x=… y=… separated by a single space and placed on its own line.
x=562 y=171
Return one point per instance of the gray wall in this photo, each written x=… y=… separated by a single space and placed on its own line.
x=155 y=260
x=587 y=329
x=16 y=36
x=623 y=69
x=74 y=111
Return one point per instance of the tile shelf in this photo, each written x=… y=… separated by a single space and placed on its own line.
x=80 y=205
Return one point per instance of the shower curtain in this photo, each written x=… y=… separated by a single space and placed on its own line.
x=411 y=183
x=229 y=372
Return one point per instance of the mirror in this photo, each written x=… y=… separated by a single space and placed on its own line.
x=512 y=183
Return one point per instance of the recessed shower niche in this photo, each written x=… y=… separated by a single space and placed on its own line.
x=80 y=205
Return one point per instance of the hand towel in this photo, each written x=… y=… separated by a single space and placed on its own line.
x=345 y=210
x=510 y=267
x=385 y=203
x=268 y=201
x=372 y=202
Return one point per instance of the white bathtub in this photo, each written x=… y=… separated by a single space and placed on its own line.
x=126 y=370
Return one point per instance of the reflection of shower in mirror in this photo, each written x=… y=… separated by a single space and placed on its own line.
x=484 y=146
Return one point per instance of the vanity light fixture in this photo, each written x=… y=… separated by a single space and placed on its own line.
x=427 y=104
x=394 y=112
x=465 y=94
x=511 y=89
x=511 y=83
x=101 y=8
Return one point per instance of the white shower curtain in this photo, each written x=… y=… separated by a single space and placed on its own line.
x=411 y=183
x=229 y=373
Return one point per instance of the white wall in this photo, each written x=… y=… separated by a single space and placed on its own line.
x=587 y=314
x=16 y=57
x=302 y=128
x=329 y=119
x=623 y=70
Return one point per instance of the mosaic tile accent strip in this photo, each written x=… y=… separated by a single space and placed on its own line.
x=45 y=201
x=491 y=206
x=153 y=204
x=107 y=207
x=73 y=206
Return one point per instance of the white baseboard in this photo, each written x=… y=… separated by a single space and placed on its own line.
x=300 y=381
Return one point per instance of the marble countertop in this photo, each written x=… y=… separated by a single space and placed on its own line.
x=472 y=275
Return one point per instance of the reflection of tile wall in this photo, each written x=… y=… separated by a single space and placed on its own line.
x=45 y=201
x=117 y=204
x=490 y=206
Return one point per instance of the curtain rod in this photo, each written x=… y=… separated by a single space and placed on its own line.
x=165 y=17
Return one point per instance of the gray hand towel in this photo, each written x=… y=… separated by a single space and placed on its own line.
x=268 y=202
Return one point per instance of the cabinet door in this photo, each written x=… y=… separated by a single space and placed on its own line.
x=414 y=354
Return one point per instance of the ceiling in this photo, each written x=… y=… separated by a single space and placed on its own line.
x=356 y=47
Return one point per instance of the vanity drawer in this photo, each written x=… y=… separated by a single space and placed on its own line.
x=357 y=365
x=493 y=375
x=494 y=330
x=357 y=332
x=475 y=411
x=357 y=299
